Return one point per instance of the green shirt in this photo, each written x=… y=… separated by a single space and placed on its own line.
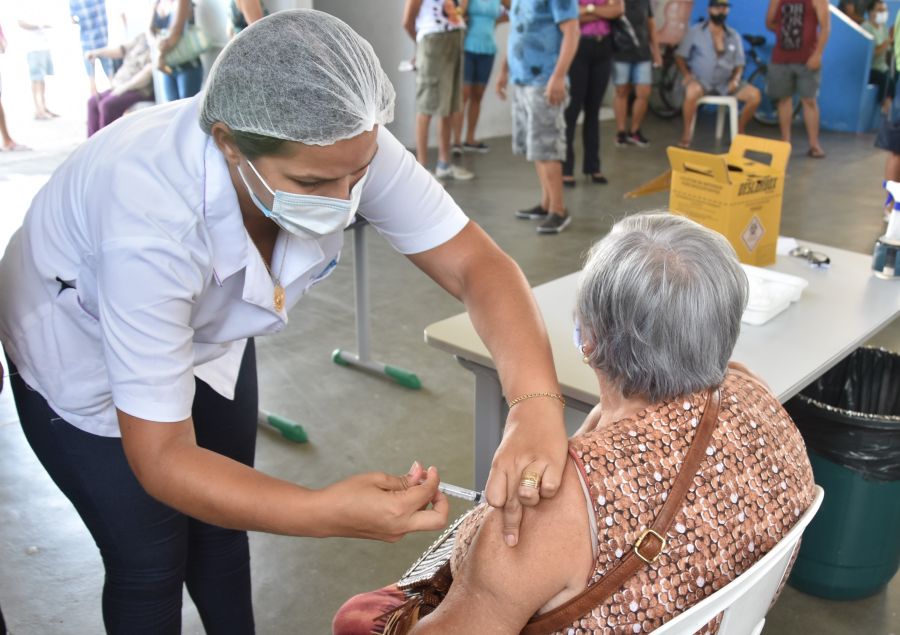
x=880 y=34
x=897 y=41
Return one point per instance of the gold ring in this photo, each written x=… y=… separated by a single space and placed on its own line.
x=531 y=479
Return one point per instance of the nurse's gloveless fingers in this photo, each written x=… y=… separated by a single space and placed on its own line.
x=551 y=479
x=529 y=491
x=512 y=519
x=495 y=490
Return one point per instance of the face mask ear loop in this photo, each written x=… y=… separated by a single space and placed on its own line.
x=259 y=176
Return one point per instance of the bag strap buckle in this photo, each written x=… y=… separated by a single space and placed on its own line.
x=649 y=558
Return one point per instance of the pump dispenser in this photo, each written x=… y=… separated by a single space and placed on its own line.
x=886 y=256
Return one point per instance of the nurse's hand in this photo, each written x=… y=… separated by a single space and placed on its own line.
x=534 y=441
x=381 y=506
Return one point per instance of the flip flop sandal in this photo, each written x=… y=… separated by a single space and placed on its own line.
x=814 y=153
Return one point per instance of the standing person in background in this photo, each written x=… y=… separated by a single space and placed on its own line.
x=243 y=13
x=480 y=48
x=169 y=20
x=633 y=66
x=801 y=31
x=33 y=23
x=711 y=61
x=437 y=28
x=876 y=26
x=852 y=9
x=588 y=79
x=7 y=144
x=888 y=137
x=543 y=39
x=90 y=16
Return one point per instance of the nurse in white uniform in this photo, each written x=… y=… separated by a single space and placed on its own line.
x=130 y=296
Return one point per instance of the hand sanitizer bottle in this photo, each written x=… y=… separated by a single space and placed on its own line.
x=886 y=256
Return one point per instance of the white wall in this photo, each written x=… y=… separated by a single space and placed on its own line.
x=379 y=21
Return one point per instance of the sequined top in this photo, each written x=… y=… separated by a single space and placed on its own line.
x=753 y=486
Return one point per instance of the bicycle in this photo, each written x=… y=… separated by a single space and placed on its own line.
x=667 y=92
x=767 y=112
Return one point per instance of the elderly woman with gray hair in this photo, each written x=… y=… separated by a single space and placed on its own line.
x=685 y=473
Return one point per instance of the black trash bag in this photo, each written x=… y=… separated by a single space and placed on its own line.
x=851 y=414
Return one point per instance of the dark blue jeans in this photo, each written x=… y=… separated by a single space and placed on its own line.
x=150 y=550
x=184 y=81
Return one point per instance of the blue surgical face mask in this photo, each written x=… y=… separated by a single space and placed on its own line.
x=576 y=334
x=305 y=214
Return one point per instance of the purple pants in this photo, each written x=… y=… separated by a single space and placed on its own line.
x=104 y=108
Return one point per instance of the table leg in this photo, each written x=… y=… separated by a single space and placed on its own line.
x=490 y=417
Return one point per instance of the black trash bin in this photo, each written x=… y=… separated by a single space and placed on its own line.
x=850 y=420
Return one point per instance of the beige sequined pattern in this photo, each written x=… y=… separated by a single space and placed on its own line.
x=752 y=487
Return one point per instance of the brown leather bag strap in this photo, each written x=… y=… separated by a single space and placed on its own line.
x=649 y=545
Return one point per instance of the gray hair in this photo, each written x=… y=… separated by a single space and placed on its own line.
x=661 y=298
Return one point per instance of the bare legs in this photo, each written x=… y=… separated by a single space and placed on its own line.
x=620 y=106
x=473 y=112
x=810 y=121
x=692 y=94
x=41 y=111
x=444 y=125
x=748 y=95
x=639 y=107
x=471 y=109
x=550 y=175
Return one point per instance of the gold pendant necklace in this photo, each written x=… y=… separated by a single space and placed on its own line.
x=278 y=295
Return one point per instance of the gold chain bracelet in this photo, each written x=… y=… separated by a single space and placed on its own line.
x=532 y=395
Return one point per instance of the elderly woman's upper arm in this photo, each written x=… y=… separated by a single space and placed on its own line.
x=499 y=588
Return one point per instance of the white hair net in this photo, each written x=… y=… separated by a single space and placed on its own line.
x=300 y=75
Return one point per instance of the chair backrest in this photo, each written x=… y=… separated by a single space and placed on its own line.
x=746 y=599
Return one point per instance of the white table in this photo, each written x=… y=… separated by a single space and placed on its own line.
x=840 y=309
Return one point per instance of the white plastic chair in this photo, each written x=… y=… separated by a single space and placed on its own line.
x=723 y=102
x=746 y=599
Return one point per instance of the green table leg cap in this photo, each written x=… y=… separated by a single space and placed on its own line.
x=403 y=377
x=337 y=359
x=288 y=429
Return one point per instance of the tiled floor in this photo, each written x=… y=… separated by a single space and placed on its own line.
x=51 y=571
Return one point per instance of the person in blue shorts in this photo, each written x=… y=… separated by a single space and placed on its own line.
x=633 y=67
x=479 y=47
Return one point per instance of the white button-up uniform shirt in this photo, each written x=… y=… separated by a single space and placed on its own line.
x=133 y=272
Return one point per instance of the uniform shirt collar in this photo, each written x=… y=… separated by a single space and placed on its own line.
x=222 y=215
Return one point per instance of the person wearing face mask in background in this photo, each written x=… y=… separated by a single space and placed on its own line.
x=876 y=26
x=130 y=297
x=711 y=61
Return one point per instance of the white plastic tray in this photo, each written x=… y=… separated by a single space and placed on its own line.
x=771 y=293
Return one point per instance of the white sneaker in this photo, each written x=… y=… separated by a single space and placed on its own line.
x=453 y=172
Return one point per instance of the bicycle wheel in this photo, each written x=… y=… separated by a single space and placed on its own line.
x=668 y=92
x=767 y=113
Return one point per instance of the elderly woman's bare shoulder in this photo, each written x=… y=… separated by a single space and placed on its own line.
x=497 y=588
